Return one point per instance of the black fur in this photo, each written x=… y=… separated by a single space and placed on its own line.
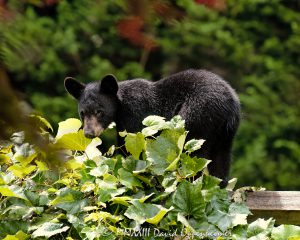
x=208 y=104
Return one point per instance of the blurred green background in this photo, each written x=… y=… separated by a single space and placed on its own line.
x=253 y=44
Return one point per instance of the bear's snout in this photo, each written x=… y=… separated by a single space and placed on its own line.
x=92 y=128
x=89 y=134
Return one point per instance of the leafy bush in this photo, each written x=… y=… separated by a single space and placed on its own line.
x=150 y=193
x=255 y=45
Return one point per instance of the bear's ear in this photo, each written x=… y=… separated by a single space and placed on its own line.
x=109 y=84
x=74 y=87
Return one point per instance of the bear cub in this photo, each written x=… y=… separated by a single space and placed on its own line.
x=209 y=106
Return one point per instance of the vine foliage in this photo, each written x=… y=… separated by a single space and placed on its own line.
x=151 y=193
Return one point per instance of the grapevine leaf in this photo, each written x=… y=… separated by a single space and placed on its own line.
x=283 y=232
x=73 y=141
x=13 y=191
x=99 y=171
x=145 y=212
x=260 y=228
x=20 y=171
x=191 y=166
x=154 y=124
x=162 y=151
x=221 y=219
x=135 y=144
x=69 y=200
x=188 y=199
x=70 y=125
x=193 y=145
x=49 y=229
x=97 y=232
x=128 y=179
x=20 y=235
x=91 y=150
x=102 y=216
x=44 y=123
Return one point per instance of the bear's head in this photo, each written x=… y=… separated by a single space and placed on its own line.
x=97 y=103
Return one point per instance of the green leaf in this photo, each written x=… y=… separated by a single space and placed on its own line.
x=180 y=143
x=99 y=171
x=102 y=216
x=73 y=164
x=25 y=160
x=193 y=145
x=121 y=200
x=91 y=150
x=128 y=179
x=4 y=159
x=42 y=166
x=231 y=184
x=154 y=124
x=191 y=166
x=188 y=199
x=20 y=171
x=43 y=121
x=69 y=200
x=260 y=227
x=135 y=144
x=170 y=182
x=73 y=141
x=12 y=227
x=283 y=232
x=135 y=166
x=177 y=124
x=145 y=212
x=97 y=232
x=162 y=151
x=123 y=134
x=221 y=219
x=13 y=191
x=71 y=125
x=109 y=182
x=159 y=216
x=185 y=222
x=153 y=121
x=20 y=235
x=49 y=229
x=105 y=195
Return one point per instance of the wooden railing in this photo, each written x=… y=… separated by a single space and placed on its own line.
x=284 y=206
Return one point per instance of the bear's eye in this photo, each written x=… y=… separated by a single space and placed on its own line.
x=81 y=113
x=98 y=112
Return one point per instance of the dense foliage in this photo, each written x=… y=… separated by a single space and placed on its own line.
x=253 y=44
x=151 y=193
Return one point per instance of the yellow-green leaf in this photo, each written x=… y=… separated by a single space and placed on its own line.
x=20 y=235
x=43 y=121
x=5 y=191
x=100 y=216
x=158 y=217
x=121 y=200
x=26 y=160
x=91 y=150
x=73 y=164
x=71 y=125
x=73 y=141
x=42 y=166
x=12 y=191
x=20 y=171
x=88 y=187
x=4 y=159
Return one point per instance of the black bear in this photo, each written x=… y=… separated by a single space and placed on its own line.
x=208 y=104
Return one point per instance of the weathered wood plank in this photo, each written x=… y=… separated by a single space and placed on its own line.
x=284 y=206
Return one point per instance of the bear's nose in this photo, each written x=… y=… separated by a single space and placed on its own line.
x=89 y=134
